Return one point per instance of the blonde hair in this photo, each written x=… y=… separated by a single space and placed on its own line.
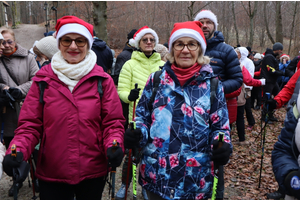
x=10 y=31
x=201 y=60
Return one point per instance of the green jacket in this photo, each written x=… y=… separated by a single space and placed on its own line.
x=136 y=70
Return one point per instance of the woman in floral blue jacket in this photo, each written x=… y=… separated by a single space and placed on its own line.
x=179 y=135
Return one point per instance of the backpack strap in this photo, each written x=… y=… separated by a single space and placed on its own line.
x=214 y=82
x=42 y=86
x=156 y=82
x=100 y=90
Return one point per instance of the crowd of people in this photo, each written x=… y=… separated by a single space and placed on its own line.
x=61 y=102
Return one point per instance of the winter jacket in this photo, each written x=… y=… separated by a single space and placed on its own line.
x=282 y=67
x=287 y=91
x=246 y=62
x=74 y=129
x=2 y=153
x=291 y=68
x=224 y=62
x=23 y=67
x=124 y=56
x=285 y=152
x=270 y=67
x=178 y=133
x=257 y=69
x=104 y=55
x=137 y=70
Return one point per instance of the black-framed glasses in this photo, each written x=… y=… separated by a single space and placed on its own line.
x=192 y=46
x=66 y=42
x=145 y=40
x=7 y=42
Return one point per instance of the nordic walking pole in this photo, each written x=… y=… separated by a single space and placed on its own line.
x=130 y=150
x=113 y=173
x=216 y=168
x=264 y=139
x=16 y=185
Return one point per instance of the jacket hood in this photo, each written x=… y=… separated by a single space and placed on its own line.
x=244 y=53
x=217 y=38
x=99 y=44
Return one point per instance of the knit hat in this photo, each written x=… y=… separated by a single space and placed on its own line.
x=161 y=49
x=209 y=15
x=257 y=56
x=284 y=55
x=1 y=37
x=140 y=33
x=131 y=34
x=47 y=46
x=277 y=46
x=72 y=24
x=188 y=29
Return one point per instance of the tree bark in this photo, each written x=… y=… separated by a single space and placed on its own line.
x=293 y=25
x=279 y=34
x=234 y=23
x=100 y=19
x=266 y=23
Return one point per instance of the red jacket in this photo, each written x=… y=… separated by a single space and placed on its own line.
x=75 y=129
x=287 y=91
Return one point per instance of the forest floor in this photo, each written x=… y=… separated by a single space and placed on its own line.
x=241 y=174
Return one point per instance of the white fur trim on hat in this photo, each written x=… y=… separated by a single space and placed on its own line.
x=136 y=40
x=47 y=46
x=75 y=28
x=185 y=32
x=209 y=15
x=1 y=37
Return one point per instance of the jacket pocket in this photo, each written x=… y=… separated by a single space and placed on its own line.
x=198 y=177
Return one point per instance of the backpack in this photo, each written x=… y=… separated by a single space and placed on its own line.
x=43 y=85
x=213 y=87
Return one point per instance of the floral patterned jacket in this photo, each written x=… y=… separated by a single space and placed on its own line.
x=178 y=135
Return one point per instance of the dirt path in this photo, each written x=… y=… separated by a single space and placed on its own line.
x=27 y=34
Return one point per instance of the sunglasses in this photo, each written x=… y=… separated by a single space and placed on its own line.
x=145 y=40
x=66 y=42
x=7 y=42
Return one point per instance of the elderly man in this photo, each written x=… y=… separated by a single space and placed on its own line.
x=225 y=65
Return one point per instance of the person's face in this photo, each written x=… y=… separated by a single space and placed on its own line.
x=238 y=55
x=186 y=58
x=8 y=43
x=147 y=44
x=208 y=28
x=73 y=54
x=1 y=47
x=41 y=57
x=278 y=52
x=255 y=59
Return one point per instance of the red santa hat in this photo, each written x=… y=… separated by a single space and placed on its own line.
x=188 y=29
x=72 y=24
x=140 y=33
x=208 y=15
x=1 y=37
x=284 y=55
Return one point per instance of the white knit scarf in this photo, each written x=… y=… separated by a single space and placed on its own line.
x=71 y=74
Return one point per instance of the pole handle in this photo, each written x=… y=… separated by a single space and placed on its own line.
x=13 y=150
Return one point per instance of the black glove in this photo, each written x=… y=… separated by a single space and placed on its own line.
x=292 y=183
x=132 y=138
x=115 y=156
x=4 y=99
x=15 y=93
x=10 y=162
x=272 y=104
x=134 y=94
x=220 y=155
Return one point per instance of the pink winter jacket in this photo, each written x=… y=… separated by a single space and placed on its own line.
x=75 y=129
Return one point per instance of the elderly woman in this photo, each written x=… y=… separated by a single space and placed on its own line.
x=75 y=123
x=178 y=133
x=2 y=148
x=144 y=61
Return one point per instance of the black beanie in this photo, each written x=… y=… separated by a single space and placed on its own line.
x=277 y=46
x=131 y=34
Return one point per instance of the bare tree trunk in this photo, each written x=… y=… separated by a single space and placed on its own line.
x=234 y=23
x=293 y=25
x=279 y=35
x=191 y=13
x=100 y=19
x=13 y=13
x=251 y=15
x=266 y=23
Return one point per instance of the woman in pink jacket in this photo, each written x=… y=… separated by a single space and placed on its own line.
x=75 y=125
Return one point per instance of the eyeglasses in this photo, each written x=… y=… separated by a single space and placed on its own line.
x=8 y=42
x=145 y=40
x=66 y=42
x=192 y=46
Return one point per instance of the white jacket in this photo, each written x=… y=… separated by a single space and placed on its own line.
x=247 y=62
x=2 y=154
